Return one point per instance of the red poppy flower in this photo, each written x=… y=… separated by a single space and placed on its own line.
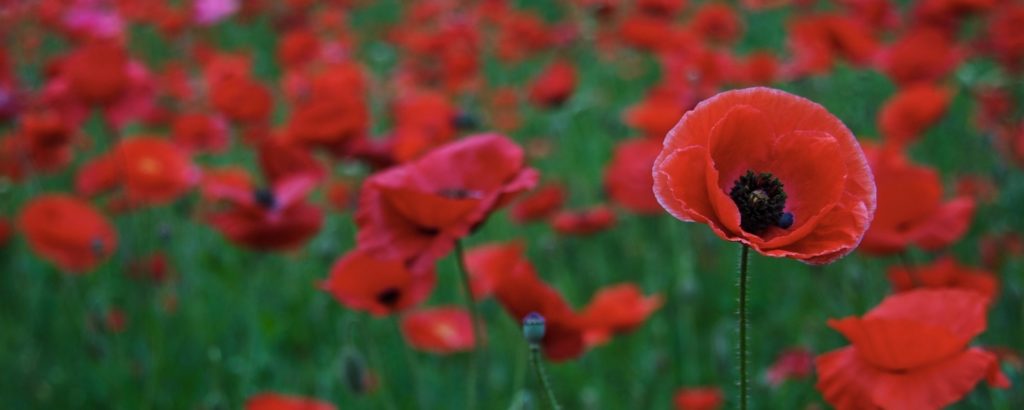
x=907 y=114
x=97 y=72
x=297 y=47
x=332 y=110
x=1006 y=35
x=67 y=232
x=658 y=112
x=423 y=120
x=945 y=272
x=441 y=330
x=554 y=85
x=910 y=206
x=584 y=222
x=280 y=160
x=760 y=68
x=717 y=23
x=150 y=170
x=241 y=99
x=699 y=398
x=489 y=264
x=817 y=40
x=274 y=218
x=416 y=211
x=771 y=170
x=627 y=179
x=274 y=401
x=200 y=132
x=521 y=292
x=795 y=363
x=921 y=55
x=377 y=286
x=538 y=205
x=909 y=352
x=616 y=309
x=646 y=32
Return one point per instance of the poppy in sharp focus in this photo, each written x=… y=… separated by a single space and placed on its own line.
x=945 y=272
x=67 y=232
x=440 y=330
x=381 y=287
x=771 y=170
x=910 y=352
x=905 y=116
x=275 y=401
x=585 y=221
x=911 y=209
x=627 y=179
x=418 y=210
x=277 y=217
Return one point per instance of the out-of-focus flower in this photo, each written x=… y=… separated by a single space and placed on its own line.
x=944 y=272
x=584 y=222
x=378 y=286
x=150 y=170
x=67 y=232
x=627 y=178
x=911 y=111
x=554 y=85
x=616 y=309
x=539 y=205
x=442 y=330
x=272 y=218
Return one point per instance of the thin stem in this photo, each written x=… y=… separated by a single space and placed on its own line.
x=543 y=376
x=478 y=335
x=743 y=327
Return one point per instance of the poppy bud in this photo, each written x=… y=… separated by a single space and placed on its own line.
x=533 y=328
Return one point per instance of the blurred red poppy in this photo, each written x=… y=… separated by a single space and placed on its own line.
x=584 y=222
x=331 y=110
x=817 y=41
x=910 y=206
x=771 y=170
x=911 y=111
x=944 y=272
x=910 y=352
x=235 y=93
x=442 y=330
x=616 y=309
x=489 y=264
x=699 y=398
x=151 y=170
x=274 y=401
x=554 y=85
x=658 y=112
x=924 y=55
x=539 y=204
x=627 y=178
x=378 y=286
x=280 y=159
x=415 y=212
x=273 y=218
x=97 y=71
x=793 y=363
x=716 y=23
x=200 y=132
x=522 y=292
x=67 y=232
x=1005 y=37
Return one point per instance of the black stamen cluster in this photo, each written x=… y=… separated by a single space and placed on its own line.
x=761 y=201
x=265 y=198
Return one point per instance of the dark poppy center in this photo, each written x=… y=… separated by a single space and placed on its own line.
x=762 y=202
x=265 y=198
x=458 y=193
x=389 y=297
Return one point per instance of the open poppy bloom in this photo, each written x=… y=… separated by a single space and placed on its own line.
x=67 y=232
x=699 y=398
x=910 y=352
x=771 y=170
x=944 y=273
x=584 y=222
x=151 y=170
x=910 y=206
x=441 y=330
x=415 y=212
x=274 y=218
x=616 y=309
x=378 y=286
x=274 y=401
x=627 y=179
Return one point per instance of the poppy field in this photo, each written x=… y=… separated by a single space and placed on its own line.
x=511 y=204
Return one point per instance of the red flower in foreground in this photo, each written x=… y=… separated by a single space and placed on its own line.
x=627 y=179
x=910 y=207
x=378 y=286
x=150 y=170
x=274 y=401
x=910 y=112
x=910 y=352
x=439 y=330
x=67 y=231
x=275 y=218
x=699 y=398
x=584 y=222
x=415 y=212
x=771 y=170
x=944 y=273
x=538 y=205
